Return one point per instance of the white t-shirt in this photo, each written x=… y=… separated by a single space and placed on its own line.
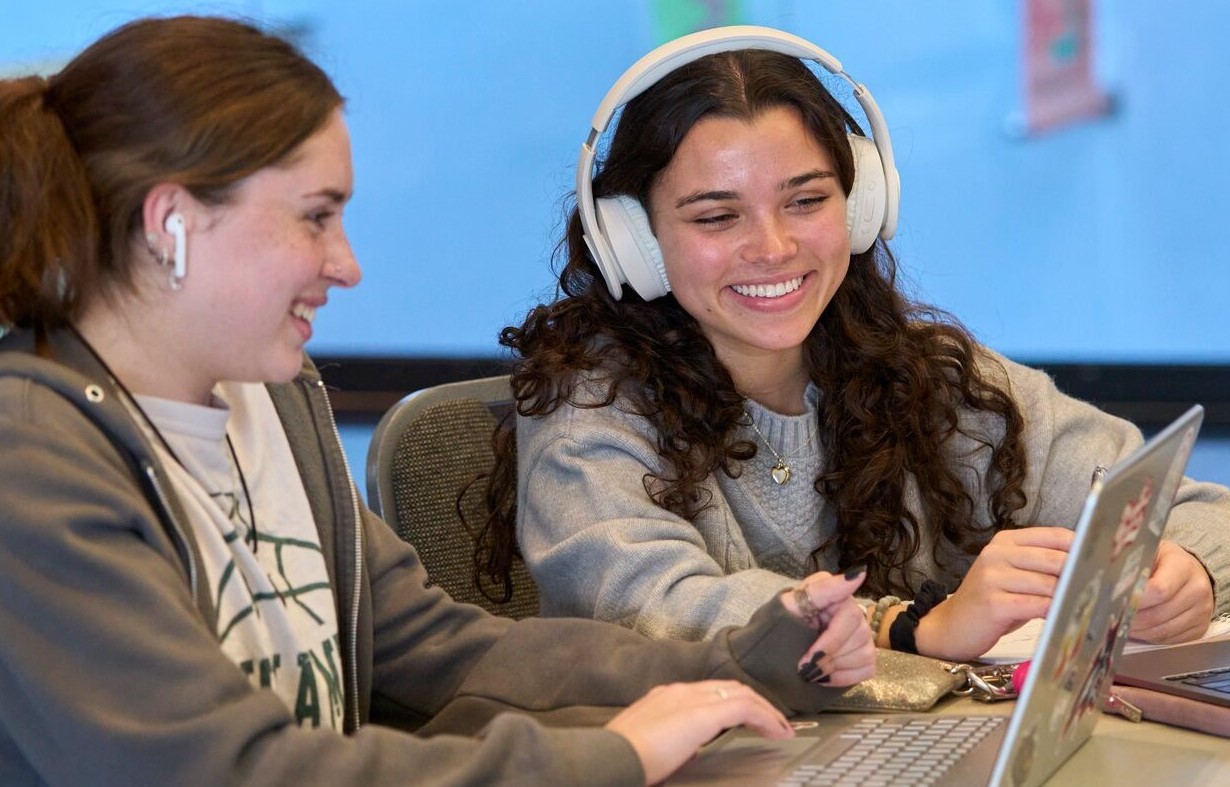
x=276 y=614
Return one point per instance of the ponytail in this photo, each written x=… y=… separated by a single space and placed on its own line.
x=48 y=223
x=202 y=102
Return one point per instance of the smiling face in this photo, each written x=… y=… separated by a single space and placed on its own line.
x=261 y=265
x=751 y=219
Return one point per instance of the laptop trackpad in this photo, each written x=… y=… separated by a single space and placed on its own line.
x=741 y=759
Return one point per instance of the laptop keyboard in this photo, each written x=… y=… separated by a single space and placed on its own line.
x=1217 y=680
x=890 y=752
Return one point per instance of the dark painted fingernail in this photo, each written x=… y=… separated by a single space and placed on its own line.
x=822 y=679
x=815 y=658
x=809 y=672
x=853 y=573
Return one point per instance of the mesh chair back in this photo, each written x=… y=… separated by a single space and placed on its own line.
x=429 y=449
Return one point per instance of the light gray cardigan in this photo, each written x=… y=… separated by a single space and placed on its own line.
x=599 y=547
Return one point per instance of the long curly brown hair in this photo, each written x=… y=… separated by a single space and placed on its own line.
x=895 y=373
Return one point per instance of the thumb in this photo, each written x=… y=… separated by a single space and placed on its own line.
x=827 y=590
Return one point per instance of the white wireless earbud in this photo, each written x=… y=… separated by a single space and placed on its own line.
x=175 y=225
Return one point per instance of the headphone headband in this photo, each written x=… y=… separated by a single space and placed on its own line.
x=647 y=71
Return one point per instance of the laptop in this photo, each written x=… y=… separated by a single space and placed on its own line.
x=1116 y=539
x=1196 y=670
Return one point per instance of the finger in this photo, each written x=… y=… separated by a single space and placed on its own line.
x=847 y=645
x=1039 y=536
x=990 y=586
x=1008 y=610
x=666 y=726
x=849 y=676
x=824 y=589
x=1035 y=559
x=850 y=667
x=1169 y=631
x=738 y=703
x=1179 y=583
x=845 y=621
x=1161 y=589
x=767 y=720
x=1181 y=619
x=1154 y=595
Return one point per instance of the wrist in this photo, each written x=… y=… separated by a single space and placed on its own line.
x=879 y=619
x=928 y=637
x=880 y=632
x=902 y=633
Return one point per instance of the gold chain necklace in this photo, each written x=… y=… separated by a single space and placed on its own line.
x=780 y=472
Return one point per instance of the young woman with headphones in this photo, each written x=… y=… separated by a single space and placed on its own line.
x=733 y=392
x=191 y=591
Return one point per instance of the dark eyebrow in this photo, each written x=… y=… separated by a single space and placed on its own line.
x=791 y=183
x=333 y=195
x=799 y=180
x=700 y=196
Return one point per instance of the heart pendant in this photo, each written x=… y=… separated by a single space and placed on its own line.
x=780 y=473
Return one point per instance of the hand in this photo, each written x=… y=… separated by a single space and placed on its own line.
x=668 y=725
x=845 y=651
x=1010 y=583
x=1178 y=600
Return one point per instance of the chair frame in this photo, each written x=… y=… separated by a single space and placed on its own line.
x=491 y=391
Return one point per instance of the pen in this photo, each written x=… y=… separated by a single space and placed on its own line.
x=1099 y=472
x=1114 y=703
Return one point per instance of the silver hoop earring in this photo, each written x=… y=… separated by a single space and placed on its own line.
x=164 y=259
x=157 y=252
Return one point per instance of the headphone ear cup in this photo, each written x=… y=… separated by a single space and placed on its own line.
x=638 y=258
x=868 y=199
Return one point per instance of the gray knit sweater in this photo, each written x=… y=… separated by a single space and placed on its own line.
x=599 y=547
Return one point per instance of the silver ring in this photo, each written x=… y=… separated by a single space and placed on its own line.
x=807 y=608
x=721 y=692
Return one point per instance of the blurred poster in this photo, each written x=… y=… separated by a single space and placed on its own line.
x=674 y=18
x=1059 y=80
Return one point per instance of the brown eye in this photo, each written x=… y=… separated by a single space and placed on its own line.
x=715 y=221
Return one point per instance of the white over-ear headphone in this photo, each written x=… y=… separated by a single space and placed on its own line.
x=616 y=229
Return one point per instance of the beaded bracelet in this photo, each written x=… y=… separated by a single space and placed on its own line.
x=901 y=632
x=877 y=615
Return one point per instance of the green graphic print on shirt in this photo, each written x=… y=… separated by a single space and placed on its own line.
x=275 y=610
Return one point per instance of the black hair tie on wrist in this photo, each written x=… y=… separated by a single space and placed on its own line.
x=905 y=626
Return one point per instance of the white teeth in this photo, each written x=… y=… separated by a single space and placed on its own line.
x=304 y=312
x=768 y=290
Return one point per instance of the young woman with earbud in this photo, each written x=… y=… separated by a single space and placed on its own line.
x=191 y=591
x=733 y=393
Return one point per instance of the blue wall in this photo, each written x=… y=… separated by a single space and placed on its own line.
x=1100 y=242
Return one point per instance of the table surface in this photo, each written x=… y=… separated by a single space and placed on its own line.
x=1126 y=753
x=1120 y=753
